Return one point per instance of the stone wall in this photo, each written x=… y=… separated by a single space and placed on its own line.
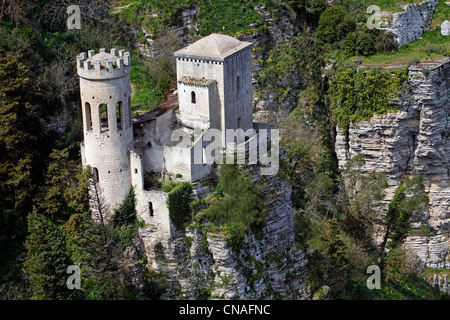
x=413 y=141
x=409 y=25
x=196 y=261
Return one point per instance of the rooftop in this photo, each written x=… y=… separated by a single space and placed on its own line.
x=214 y=46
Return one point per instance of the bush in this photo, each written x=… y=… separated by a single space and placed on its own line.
x=334 y=24
x=243 y=206
x=179 y=204
x=125 y=214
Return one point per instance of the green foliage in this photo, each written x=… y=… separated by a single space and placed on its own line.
x=243 y=206
x=334 y=24
x=125 y=214
x=178 y=203
x=409 y=199
x=359 y=94
x=47 y=259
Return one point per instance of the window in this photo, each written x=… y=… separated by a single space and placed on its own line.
x=238 y=84
x=95 y=175
x=119 y=115
x=103 y=110
x=129 y=108
x=193 y=100
x=239 y=122
x=87 y=111
x=150 y=209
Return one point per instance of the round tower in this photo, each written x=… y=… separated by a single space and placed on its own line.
x=107 y=122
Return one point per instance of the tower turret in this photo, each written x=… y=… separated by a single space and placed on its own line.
x=107 y=122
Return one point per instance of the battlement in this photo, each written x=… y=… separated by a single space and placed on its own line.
x=103 y=65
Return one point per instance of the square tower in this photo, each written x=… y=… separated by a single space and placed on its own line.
x=214 y=78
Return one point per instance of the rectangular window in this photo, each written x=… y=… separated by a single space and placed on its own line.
x=150 y=209
x=119 y=115
x=103 y=108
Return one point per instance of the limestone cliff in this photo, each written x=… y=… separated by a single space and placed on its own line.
x=412 y=22
x=197 y=262
x=414 y=140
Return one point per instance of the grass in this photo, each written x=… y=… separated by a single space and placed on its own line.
x=441 y=14
x=144 y=97
x=433 y=45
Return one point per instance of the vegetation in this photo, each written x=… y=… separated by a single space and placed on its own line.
x=46 y=222
x=178 y=203
x=359 y=94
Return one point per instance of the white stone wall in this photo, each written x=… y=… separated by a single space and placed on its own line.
x=409 y=25
x=201 y=114
x=108 y=150
x=234 y=103
x=178 y=160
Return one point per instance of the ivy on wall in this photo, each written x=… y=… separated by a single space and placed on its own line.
x=357 y=95
x=179 y=204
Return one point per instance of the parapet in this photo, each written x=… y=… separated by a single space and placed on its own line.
x=103 y=65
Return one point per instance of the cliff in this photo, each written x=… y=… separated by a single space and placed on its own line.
x=414 y=140
x=410 y=24
x=200 y=264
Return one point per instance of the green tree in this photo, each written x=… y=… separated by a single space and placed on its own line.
x=178 y=203
x=409 y=199
x=17 y=133
x=47 y=259
x=125 y=214
x=334 y=24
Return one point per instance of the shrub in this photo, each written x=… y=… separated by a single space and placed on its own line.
x=334 y=24
x=179 y=204
x=243 y=207
x=125 y=214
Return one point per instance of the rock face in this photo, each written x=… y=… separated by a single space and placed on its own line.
x=410 y=24
x=445 y=28
x=415 y=140
x=199 y=263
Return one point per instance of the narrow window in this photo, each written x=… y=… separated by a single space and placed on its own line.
x=103 y=108
x=129 y=108
x=95 y=175
x=193 y=100
x=135 y=171
x=150 y=209
x=119 y=115
x=238 y=84
x=239 y=122
x=87 y=111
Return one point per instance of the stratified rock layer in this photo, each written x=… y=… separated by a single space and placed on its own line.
x=198 y=262
x=415 y=140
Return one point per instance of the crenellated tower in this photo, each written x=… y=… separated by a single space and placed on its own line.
x=107 y=122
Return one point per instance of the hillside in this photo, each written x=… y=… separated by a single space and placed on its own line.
x=364 y=164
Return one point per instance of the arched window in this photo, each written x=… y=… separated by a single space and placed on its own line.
x=119 y=115
x=87 y=111
x=193 y=100
x=103 y=111
x=95 y=175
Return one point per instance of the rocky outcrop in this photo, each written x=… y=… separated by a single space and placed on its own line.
x=198 y=263
x=445 y=28
x=415 y=140
x=410 y=24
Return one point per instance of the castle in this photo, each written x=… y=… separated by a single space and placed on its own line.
x=214 y=91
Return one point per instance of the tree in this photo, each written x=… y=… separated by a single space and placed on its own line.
x=17 y=132
x=125 y=214
x=60 y=182
x=47 y=259
x=409 y=199
x=334 y=24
